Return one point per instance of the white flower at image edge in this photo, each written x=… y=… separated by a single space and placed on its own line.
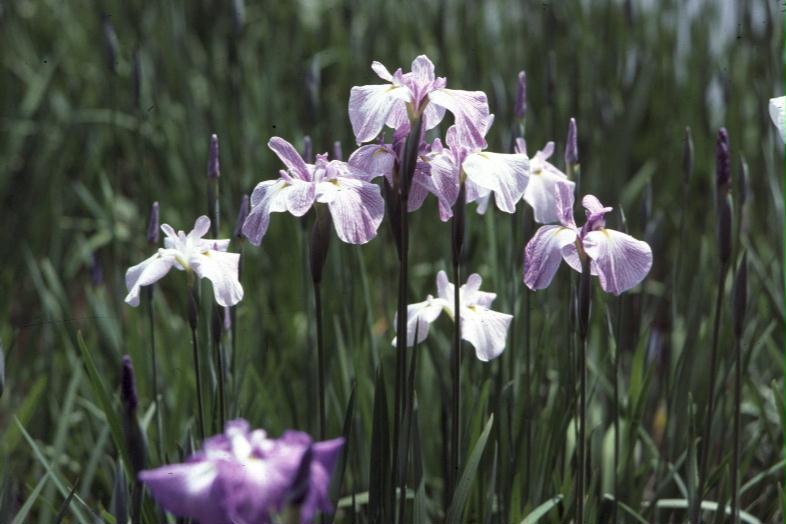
x=207 y=258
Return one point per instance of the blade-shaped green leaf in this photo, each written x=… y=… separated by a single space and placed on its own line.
x=468 y=476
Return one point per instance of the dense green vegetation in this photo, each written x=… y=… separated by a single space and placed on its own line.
x=97 y=123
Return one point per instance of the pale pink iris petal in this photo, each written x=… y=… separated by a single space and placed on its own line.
x=423 y=69
x=299 y=197
x=486 y=330
x=145 y=273
x=373 y=159
x=470 y=110
x=222 y=270
x=471 y=294
x=505 y=175
x=289 y=157
x=778 y=116
x=543 y=254
x=564 y=203
x=369 y=107
x=593 y=205
x=201 y=227
x=419 y=317
x=570 y=255
x=270 y=196
x=188 y=490
x=444 y=288
x=443 y=181
x=622 y=261
x=356 y=207
x=381 y=71
x=542 y=192
x=477 y=194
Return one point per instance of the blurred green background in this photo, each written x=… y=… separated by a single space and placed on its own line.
x=108 y=106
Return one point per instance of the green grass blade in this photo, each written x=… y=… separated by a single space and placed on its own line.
x=536 y=514
x=21 y=515
x=468 y=476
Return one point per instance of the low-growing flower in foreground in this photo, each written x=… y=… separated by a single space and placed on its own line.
x=207 y=258
x=777 y=109
x=244 y=476
x=355 y=204
x=485 y=329
x=417 y=93
x=618 y=259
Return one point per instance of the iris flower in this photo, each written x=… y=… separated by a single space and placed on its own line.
x=485 y=329
x=417 y=93
x=245 y=477
x=618 y=259
x=355 y=204
x=190 y=252
x=777 y=108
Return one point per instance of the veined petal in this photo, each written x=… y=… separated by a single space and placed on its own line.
x=145 y=273
x=443 y=182
x=381 y=71
x=486 y=330
x=373 y=159
x=188 y=490
x=479 y=195
x=356 y=206
x=423 y=69
x=201 y=227
x=268 y=197
x=470 y=110
x=777 y=109
x=621 y=260
x=471 y=294
x=565 y=199
x=542 y=193
x=543 y=254
x=299 y=197
x=222 y=270
x=419 y=317
x=369 y=107
x=287 y=153
x=505 y=175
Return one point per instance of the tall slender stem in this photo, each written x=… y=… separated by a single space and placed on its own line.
x=735 y=467
x=583 y=313
x=219 y=347
x=616 y=410
x=193 y=314
x=705 y=441
x=320 y=359
x=154 y=363
x=455 y=361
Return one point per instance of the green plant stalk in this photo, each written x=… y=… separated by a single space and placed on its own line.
x=455 y=366
x=154 y=364
x=615 y=411
x=193 y=315
x=215 y=216
x=705 y=440
x=320 y=360
x=735 y=466
x=583 y=312
x=219 y=351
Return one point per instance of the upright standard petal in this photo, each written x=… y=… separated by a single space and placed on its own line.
x=222 y=270
x=289 y=156
x=145 y=273
x=201 y=227
x=471 y=113
x=188 y=490
x=543 y=254
x=542 y=190
x=505 y=175
x=777 y=110
x=445 y=290
x=356 y=206
x=486 y=330
x=369 y=107
x=471 y=294
x=620 y=260
x=419 y=317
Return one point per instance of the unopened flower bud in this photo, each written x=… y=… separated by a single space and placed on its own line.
x=135 y=441
x=213 y=168
x=337 y=152
x=308 y=150
x=572 y=145
x=520 y=108
x=242 y=214
x=740 y=297
x=153 y=225
x=722 y=164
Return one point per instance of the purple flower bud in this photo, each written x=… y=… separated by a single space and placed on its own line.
x=572 y=145
x=520 y=109
x=337 y=153
x=128 y=385
x=213 y=168
x=308 y=151
x=242 y=214
x=152 y=225
x=722 y=163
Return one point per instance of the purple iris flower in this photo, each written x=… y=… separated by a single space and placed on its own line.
x=355 y=204
x=409 y=95
x=618 y=259
x=485 y=329
x=541 y=191
x=245 y=477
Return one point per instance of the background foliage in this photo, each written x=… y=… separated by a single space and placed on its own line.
x=90 y=137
